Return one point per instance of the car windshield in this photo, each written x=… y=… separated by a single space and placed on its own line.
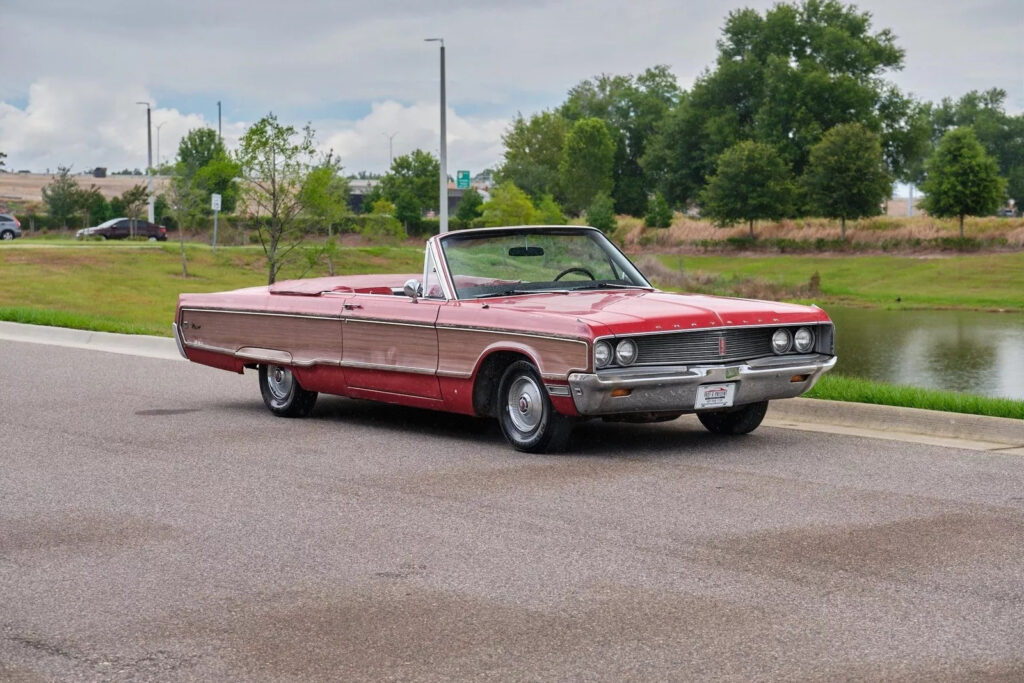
x=528 y=260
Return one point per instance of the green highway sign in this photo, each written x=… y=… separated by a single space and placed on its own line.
x=462 y=180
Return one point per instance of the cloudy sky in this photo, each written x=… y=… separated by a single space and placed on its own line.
x=359 y=71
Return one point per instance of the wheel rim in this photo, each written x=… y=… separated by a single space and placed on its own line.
x=7 y=236
x=525 y=404
x=280 y=382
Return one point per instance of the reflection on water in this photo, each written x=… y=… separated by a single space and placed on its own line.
x=979 y=353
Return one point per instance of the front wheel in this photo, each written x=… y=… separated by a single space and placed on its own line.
x=741 y=420
x=282 y=393
x=527 y=418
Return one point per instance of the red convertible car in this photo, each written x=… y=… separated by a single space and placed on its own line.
x=540 y=327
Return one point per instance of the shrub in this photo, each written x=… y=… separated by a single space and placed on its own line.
x=659 y=215
x=601 y=213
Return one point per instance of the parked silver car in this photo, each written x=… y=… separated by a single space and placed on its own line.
x=10 y=227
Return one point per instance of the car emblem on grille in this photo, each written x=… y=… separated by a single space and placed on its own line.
x=721 y=346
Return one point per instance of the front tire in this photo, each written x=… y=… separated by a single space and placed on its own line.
x=527 y=418
x=282 y=393
x=741 y=420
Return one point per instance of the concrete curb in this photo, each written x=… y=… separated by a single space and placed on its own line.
x=128 y=344
x=891 y=419
x=995 y=431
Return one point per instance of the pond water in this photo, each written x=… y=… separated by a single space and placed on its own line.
x=969 y=351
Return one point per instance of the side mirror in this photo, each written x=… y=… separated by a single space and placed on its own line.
x=413 y=289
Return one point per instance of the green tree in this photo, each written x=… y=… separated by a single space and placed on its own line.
x=3 y=155
x=61 y=196
x=751 y=182
x=508 y=206
x=92 y=204
x=415 y=174
x=219 y=176
x=275 y=160
x=324 y=193
x=533 y=150
x=784 y=78
x=549 y=212
x=601 y=213
x=659 y=215
x=185 y=202
x=469 y=206
x=134 y=199
x=846 y=176
x=199 y=147
x=632 y=107
x=408 y=210
x=586 y=166
x=1000 y=134
x=961 y=179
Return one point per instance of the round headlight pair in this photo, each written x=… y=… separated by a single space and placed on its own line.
x=624 y=354
x=783 y=340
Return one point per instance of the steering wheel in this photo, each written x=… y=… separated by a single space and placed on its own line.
x=574 y=269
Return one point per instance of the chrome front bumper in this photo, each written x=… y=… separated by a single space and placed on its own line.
x=668 y=389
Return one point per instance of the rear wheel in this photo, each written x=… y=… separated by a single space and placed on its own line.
x=282 y=393
x=527 y=418
x=741 y=420
x=7 y=235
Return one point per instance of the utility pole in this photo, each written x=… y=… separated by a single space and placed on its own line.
x=219 y=136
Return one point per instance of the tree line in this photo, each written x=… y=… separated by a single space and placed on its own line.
x=796 y=117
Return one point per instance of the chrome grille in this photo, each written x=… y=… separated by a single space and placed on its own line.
x=705 y=346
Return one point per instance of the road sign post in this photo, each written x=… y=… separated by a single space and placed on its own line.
x=215 y=205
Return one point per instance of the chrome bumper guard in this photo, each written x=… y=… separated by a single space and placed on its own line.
x=667 y=389
x=179 y=340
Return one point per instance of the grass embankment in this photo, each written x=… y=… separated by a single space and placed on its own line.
x=840 y=388
x=133 y=287
x=990 y=281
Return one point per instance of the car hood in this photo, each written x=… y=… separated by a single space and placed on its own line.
x=638 y=311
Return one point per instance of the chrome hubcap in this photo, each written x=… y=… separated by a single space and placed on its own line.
x=279 y=381
x=525 y=404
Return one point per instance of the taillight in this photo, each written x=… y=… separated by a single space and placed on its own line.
x=16 y=221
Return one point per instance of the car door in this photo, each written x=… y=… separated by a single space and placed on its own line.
x=391 y=345
x=120 y=229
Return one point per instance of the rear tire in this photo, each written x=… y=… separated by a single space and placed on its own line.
x=7 y=235
x=282 y=393
x=741 y=420
x=527 y=418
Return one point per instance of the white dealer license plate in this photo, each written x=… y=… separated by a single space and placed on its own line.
x=715 y=395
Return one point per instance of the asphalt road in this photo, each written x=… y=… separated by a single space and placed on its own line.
x=157 y=523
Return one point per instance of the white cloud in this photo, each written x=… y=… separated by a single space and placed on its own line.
x=71 y=70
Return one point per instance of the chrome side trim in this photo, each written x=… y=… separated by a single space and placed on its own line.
x=266 y=313
x=715 y=327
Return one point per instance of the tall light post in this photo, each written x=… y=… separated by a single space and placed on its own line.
x=149 y=150
x=391 y=149
x=158 y=127
x=443 y=151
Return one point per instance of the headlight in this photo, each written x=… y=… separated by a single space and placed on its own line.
x=625 y=352
x=602 y=354
x=803 y=340
x=782 y=340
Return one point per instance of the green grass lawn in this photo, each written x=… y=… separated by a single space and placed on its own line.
x=986 y=281
x=134 y=287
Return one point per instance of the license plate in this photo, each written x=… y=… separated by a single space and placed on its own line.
x=715 y=395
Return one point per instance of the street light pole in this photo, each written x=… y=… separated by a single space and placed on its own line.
x=391 y=153
x=149 y=151
x=158 y=127
x=443 y=153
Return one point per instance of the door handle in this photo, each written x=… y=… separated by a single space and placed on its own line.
x=350 y=307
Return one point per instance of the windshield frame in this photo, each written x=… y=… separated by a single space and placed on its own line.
x=614 y=254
